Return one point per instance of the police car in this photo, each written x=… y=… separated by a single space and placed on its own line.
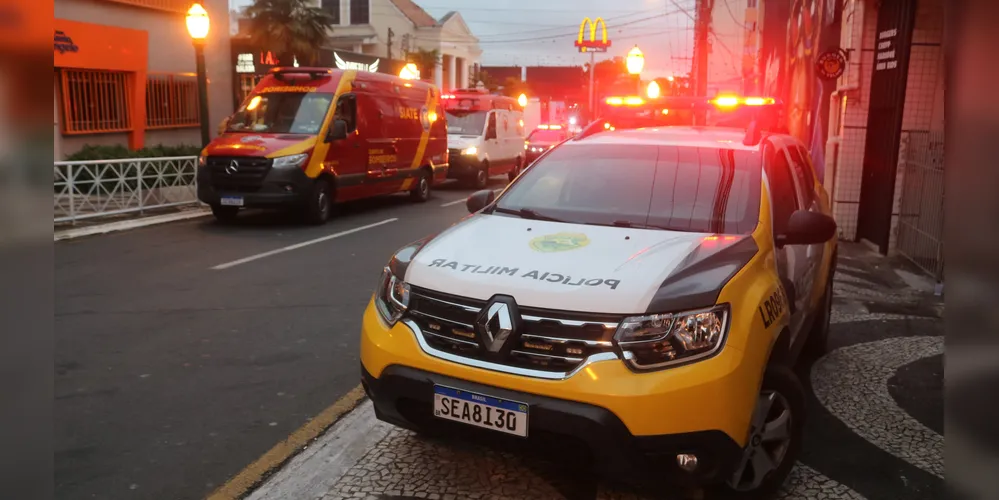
x=643 y=291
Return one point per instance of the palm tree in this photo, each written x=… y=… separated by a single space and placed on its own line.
x=426 y=60
x=289 y=28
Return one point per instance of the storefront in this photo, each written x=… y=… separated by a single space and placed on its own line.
x=251 y=63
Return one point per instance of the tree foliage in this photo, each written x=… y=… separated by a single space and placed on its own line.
x=426 y=60
x=289 y=28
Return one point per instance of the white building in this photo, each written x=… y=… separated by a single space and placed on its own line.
x=391 y=28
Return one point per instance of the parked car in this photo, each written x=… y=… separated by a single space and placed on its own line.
x=312 y=137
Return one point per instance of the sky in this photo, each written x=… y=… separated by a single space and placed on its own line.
x=528 y=33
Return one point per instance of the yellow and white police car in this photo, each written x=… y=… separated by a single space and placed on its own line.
x=642 y=291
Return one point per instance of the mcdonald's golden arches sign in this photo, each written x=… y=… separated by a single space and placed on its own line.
x=593 y=44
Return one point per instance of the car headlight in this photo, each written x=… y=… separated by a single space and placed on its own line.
x=391 y=297
x=290 y=160
x=202 y=160
x=659 y=341
x=470 y=151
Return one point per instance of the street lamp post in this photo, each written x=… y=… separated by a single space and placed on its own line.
x=197 y=26
x=635 y=62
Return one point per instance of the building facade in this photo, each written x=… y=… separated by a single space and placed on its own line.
x=125 y=73
x=392 y=28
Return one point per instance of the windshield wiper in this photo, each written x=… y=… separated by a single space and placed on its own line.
x=527 y=213
x=632 y=225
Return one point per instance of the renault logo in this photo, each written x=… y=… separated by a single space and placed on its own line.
x=232 y=168
x=498 y=324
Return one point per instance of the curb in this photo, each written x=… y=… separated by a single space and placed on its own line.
x=125 y=225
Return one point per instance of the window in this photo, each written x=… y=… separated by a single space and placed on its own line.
x=360 y=12
x=346 y=110
x=802 y=173
x=673 y=188
x=783 y=197
x=171 y=101
x=95 y=101
x=542 y=135
x=282 y=113
x=491 y=128
x=332 y=7
x=466 y=123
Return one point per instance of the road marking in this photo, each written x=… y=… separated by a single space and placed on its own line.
x=296 y=246
x=255 y=473
x=463 y=200
x=455 y=202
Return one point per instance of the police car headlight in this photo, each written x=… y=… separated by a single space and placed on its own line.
x=470 y=151
x=659 y=341
x=391 y=297
x=290 y=161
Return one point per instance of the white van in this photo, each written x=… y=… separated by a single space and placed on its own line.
x=485 y=136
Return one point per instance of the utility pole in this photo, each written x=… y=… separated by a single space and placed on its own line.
x=592 y=104
x=390 y=35
x=702 y=26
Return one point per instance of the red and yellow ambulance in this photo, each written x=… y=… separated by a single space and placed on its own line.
x=311 y=137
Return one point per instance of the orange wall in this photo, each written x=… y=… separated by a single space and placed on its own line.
x=110 y=48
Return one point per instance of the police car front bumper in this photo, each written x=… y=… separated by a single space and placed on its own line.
x=279 y=187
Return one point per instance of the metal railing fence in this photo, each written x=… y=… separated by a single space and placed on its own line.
x=88 y=189
x=921 y=204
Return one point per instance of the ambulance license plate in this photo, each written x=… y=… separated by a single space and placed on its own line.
x=496 y=414
x=232 y=201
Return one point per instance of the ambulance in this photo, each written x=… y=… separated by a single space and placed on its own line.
x=485 y=135
x=307 y=138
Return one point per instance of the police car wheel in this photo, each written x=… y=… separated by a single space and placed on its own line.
x=421 y=192
x=320 y=203
x=775 y=434
x=482 y=176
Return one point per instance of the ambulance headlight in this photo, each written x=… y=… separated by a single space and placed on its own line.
x=391 y=297
x=290 y=161
x=470 y=151
x=202 y=160
x=659 y=341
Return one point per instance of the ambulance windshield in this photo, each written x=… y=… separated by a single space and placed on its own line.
x=470 y=123
x=282 y=113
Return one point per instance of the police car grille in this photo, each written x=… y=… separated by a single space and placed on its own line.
x=246 y=179
x=553 y=341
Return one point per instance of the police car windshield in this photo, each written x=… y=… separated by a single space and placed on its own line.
x=471 y=123
x=282 y=113
x=647 y=186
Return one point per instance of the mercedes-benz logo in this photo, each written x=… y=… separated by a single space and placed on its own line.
x=498 y=324
x=232 y=168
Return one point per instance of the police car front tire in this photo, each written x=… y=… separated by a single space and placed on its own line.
x=775 y=434
x=320 y=203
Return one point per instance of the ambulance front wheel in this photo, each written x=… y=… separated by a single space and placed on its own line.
x=320 y=203
x=421 y=191
x=482 y=176
x=225 y=214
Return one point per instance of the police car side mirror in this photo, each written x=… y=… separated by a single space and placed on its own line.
x=808 y=228
x=479 y=200
x=338 y=131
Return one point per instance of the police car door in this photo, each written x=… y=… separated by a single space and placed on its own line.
x=807 y=200
x=791 y=260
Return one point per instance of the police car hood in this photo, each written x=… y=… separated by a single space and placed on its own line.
x=552 y=265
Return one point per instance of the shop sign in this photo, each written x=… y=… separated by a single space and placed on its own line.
x=244 y=64
x=359 y=66
x=64 y=43
x=831 y=64
x=886 y=57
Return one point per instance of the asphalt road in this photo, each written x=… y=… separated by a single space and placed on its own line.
x=171 y=376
